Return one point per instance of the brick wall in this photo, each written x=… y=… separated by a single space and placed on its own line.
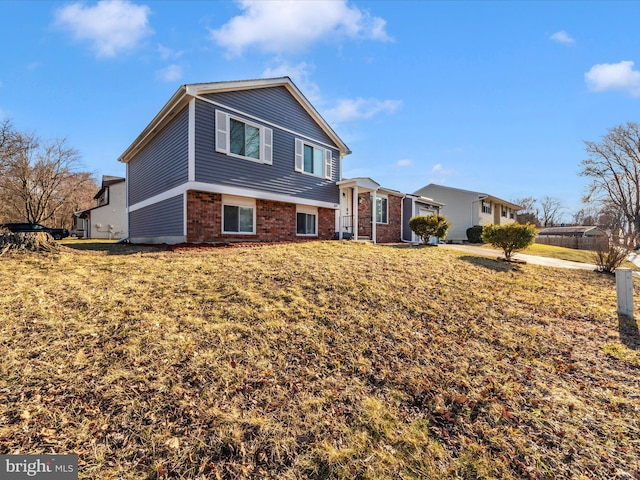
x=391 y=232
x=385 y=232
x=275 y=221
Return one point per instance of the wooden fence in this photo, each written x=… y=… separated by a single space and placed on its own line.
x=579 y=243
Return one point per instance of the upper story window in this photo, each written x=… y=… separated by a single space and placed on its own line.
x=486 y=207
x=244 y=139
x=313 y=159
x=104 y=198
x=240 y=138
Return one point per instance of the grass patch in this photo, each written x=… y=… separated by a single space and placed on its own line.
x=315 y=360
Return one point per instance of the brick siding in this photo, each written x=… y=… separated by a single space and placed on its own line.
x=385 y=232
x=275 y=221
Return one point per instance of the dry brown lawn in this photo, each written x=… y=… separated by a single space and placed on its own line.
x=330 y=360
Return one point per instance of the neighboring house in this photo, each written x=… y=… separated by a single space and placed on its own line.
x=464 y=209
x=235 y=161
x=108 y=219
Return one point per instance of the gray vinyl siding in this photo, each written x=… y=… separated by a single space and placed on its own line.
x=163 y=163
x=407 y=213
x=273 y=105
x=162 y=219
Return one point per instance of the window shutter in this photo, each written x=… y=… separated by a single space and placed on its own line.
x=267 y=145
x=222 y=132
x=299 y=165
x=327 y=164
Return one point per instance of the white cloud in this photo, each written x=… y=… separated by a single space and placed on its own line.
x=111 y=26
x=281 y=26
x=438 y=169
x=614 y=76
x=172 y=73
x=562 y=37
x=300 y=74
x=361 y=108
x=167 y=53
x=404 y=163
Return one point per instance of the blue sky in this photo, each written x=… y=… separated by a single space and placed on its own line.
x=489 y=96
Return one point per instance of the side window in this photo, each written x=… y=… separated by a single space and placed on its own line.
x=240 y=138
x=313 y=159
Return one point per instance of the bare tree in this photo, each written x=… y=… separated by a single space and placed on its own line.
x=78 y=191
x=587 y=216
x=551 y=209
x=38 y=179
x=613 y=166
x=529 y=211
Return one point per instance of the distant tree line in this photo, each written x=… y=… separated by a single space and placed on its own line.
x=41 y=181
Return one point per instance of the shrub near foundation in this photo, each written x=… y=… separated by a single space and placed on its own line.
x=426 y=226
x=509 y=238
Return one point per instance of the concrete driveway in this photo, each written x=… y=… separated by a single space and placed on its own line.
x=531 y=259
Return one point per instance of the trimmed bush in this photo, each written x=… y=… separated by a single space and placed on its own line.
x=474 y=234
x=509 y=238
x=426 y=226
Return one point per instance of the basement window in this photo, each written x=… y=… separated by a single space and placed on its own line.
x=307 y=222
x=238 y=215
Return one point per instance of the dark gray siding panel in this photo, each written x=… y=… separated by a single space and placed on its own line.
x=163 y=163
x=280 y=177
x=407 y=213
x=161 y=219
x=275 y=105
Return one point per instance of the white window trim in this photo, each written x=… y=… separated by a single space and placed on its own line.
x=373 y=213
x=231 y=201
x=266 y=138
x=327 y=159
x=306 y=211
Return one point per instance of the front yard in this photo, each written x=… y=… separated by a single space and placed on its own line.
x=315 y=360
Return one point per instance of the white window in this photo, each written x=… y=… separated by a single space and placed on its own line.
x=381 y=210
x=306 y=221
x=486 y=207
x=238 y=215
x=240 y=138
x=313 y=159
